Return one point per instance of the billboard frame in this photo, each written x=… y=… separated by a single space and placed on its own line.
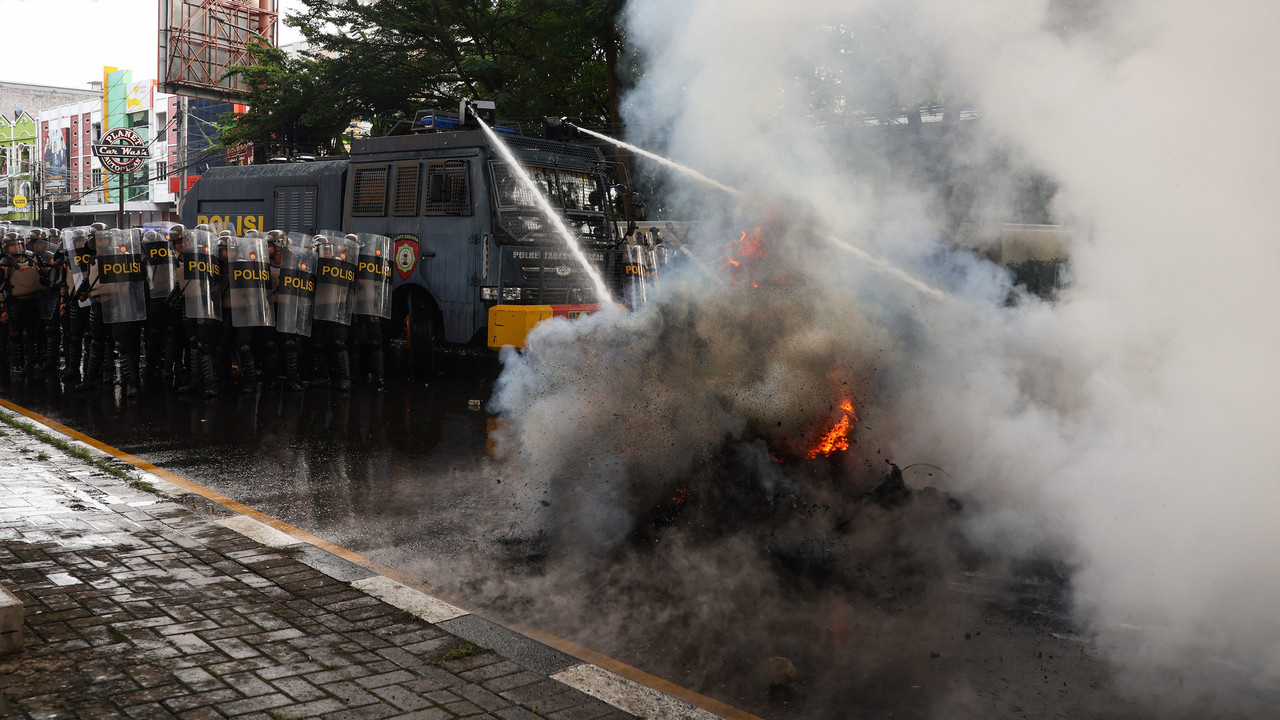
x=200 y=39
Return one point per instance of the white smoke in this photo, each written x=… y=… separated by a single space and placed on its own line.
x=1130 y=425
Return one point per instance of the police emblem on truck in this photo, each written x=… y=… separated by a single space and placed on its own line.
x=406 y=253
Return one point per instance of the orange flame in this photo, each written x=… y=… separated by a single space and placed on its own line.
x=837 y=438
x=750 y=247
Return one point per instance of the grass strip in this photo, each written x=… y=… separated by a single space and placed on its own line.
x=457 y=652
x=79 y=453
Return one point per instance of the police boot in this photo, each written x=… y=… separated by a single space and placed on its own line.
x=377 y=365
x=52 y=343
x=292 y=373
x=92 y=370
x=16 y=370
x=75 y=356
x=208 y=374
x=129 y=373
x=35 y=355
x=341 y=362
x=248 y=371
x=109 y=367
x=269 y=373
x=194 y=377
x=170 y=359
x=319 y=368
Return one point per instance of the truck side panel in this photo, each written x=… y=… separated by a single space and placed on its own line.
x=297 y=197
x=447 y=218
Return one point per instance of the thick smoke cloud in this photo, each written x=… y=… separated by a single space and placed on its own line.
x=1128 y=428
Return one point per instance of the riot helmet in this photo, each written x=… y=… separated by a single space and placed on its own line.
x=13 y=245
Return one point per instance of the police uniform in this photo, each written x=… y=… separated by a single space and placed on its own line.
x=96 y=368
x=76 y=321
x=332 y=331
x=164 y=337
x=53 y=261
x=23 y=285
x=118 y=312
x=292 y=263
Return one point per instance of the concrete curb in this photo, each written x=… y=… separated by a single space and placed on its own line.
x=624 y=687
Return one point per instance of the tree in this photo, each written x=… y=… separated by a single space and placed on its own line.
x=294 y=107
x=533 y=58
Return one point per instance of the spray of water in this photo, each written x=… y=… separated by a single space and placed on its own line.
x=570 y=240
x=879 y=264
x=667 y=163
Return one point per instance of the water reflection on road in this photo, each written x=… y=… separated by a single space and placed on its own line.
x=391 y=475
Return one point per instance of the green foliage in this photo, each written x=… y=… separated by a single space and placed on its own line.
x=388 y=59
x=295 y=107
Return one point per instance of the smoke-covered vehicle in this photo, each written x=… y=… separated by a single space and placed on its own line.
x=475 y=263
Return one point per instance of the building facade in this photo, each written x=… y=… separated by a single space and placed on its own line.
x=22 y=165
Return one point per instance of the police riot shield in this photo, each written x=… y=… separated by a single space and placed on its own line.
x=335 y=276
x=296 y=291
x=199 y=271
x=120 y=276
x=373 y=277
x=249 y=276
x=55 y=271
x=160 y=263
x=79 y=253
x=635 y=288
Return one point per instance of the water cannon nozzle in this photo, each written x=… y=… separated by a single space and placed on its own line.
x=563 y=128
x=472 y=111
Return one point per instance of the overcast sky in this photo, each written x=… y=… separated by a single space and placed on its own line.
x=72 y=40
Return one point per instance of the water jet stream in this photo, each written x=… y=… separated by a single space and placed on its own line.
x=603 y=295
x=878 y=263
x=668 y=163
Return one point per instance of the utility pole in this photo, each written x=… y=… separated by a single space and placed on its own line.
x=181 y=127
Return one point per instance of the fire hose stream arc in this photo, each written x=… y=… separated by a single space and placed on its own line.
x=877 y=263
x=602 y=290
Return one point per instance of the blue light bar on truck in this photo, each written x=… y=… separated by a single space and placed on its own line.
x=438 y=122
x=444 y=122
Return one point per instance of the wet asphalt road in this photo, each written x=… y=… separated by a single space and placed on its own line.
x=404 y=477
x=364 y=469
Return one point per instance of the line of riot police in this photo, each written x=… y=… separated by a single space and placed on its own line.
x=191 y=309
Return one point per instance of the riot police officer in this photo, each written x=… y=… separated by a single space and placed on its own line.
x=23 y=284
x=249 y=309
x=335 y=279
x=199 y=274
x=163 y=328
x=293 y=281
x=117 y=290
x=88 y=293
x=371 y=305
x=78 y=249
x=53 y=265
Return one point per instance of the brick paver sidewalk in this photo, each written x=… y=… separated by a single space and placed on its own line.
x=138 y=607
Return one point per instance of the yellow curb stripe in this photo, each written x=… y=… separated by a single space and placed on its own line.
x=189 y=486
x=565 y=646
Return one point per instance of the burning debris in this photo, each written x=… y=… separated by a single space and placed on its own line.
x=837 y=438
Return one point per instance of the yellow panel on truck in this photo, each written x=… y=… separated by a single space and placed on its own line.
x=509 y=324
